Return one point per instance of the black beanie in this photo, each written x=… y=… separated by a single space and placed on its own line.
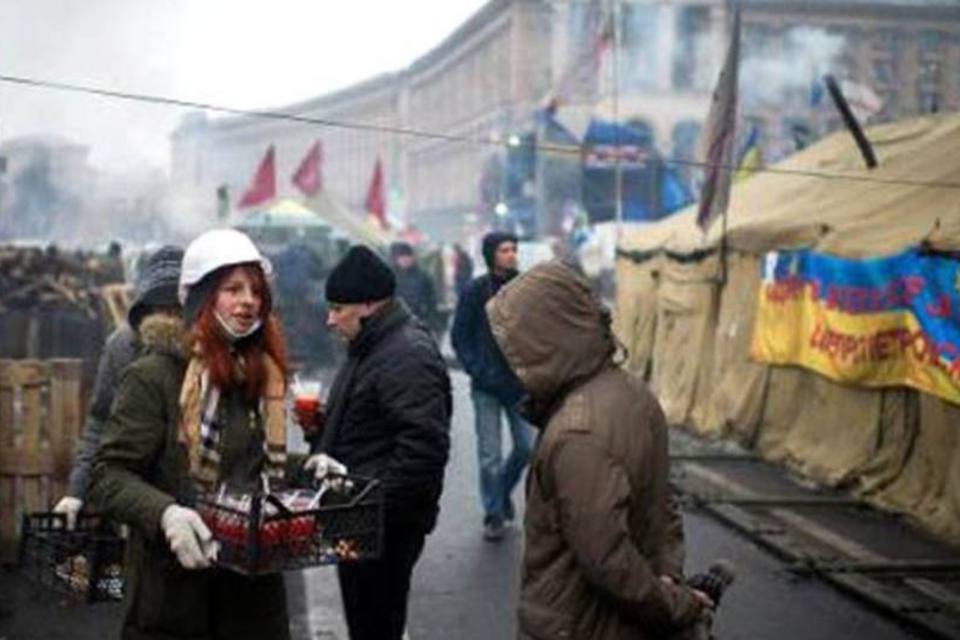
x=157 y=286
x=360 y=276
x=493 y=240
x=401 y=249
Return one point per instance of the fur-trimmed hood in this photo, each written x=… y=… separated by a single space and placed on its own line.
x=162 y=333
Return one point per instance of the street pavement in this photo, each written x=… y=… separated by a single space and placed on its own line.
x=466 y=588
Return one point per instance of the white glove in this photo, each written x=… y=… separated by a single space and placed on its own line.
x=323 y=465
x=70 y=507
x=188 y=537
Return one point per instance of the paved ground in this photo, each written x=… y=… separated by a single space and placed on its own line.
x=465 y=588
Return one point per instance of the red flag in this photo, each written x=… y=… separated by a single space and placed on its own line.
x=308 y=177
x=719 y=135
x=264 y=185
x=376 y=202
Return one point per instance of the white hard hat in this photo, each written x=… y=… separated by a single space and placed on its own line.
x=215 y=249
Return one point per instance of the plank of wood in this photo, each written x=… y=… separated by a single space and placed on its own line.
x=117 y=298
x=891 y=567
x=8 y=523
x=6 y=414
x=931 y=589
x=33 y=498
x=933 y=620
x=66 y=417
x=22 y=373
x=920 y=602
x=14 y=463
x=708 y=456
x=31 y=415
x=784 y=501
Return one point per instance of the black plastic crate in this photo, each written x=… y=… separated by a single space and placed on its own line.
x=263 y=533
x=84 y=564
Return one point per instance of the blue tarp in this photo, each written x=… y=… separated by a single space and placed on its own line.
x=650 y=189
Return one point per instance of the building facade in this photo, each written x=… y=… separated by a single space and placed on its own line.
x=440 y=126
x=472 y=89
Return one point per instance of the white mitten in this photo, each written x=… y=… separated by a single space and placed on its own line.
x=323 y=465
x=188 y=537
x=70 y=507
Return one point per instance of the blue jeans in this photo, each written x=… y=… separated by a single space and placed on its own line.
x=498 y=478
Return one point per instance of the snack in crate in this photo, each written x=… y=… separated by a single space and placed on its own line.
x=228 y=519
x=301 y=528
x=75 y=572
x=113 y=581
x=226 y=516
x=346 y=550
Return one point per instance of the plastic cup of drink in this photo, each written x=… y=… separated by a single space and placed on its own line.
x=306 y=401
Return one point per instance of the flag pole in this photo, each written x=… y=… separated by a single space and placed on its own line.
x=731 y=6
x=723 y=247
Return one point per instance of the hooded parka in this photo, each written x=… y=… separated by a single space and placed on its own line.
x=600 y=526
x=141 y=469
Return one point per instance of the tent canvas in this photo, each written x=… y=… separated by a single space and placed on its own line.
x=890 y=445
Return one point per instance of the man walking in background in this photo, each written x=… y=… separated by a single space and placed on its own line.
x=494 y=389
x=414 y=286
x=462 y=268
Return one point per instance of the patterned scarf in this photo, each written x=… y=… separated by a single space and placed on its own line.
x=200 y=433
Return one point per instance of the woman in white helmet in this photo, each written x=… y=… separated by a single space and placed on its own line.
x=203 y=406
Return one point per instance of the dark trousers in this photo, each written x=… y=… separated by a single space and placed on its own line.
x=375 y=591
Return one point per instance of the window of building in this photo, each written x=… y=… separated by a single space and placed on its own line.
x=930 y=74
x=930 y=40
x=576 y=24
x=684 y=136
x=929 y=101
x=693 y=38
x=639 y=44
x=886 y=40
x=884 y=72
x=756 y=40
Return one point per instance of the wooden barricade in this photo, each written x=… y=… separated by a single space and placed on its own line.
x=117 y=298
x=40 y=422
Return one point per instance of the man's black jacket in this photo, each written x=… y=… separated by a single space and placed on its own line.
x=388 y=414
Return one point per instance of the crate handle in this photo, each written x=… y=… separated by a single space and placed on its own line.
x=371 y=484
x=275 y=501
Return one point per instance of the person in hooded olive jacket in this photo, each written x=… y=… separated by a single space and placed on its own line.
x=387 y=417
x=603 y=556
x=203 y=405
x=156 y=293
x=494 y=389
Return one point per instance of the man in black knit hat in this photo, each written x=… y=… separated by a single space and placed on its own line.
x=387 y=417
x=494 y=388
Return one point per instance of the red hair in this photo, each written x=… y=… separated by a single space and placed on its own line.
x=207 y=336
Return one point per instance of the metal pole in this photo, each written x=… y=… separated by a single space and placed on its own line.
x=618 y=168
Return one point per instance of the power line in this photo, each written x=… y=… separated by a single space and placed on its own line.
x=254 y=113
x=433 y=135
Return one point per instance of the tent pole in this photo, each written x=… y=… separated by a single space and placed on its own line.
x=723 y=248
x=618 y=167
